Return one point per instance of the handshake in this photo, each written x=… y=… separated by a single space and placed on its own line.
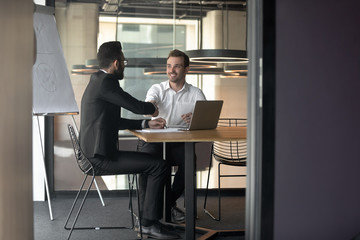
x=156 y=113
x=160 y=122
x=157 y=123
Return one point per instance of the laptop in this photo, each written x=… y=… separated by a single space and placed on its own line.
x=205 y=115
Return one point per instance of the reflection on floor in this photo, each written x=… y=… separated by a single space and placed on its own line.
x=116 y=213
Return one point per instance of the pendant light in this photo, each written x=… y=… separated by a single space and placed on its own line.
x=192 y=71
x=236 y=68
x=83 y=69
x=217 y=55
x=195 y=67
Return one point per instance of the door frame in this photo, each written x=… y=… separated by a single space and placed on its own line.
x=259 y=219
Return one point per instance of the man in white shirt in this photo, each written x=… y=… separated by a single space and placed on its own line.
x=175 y=99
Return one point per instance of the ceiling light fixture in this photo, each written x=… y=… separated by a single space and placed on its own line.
x=217 y=55
x=235 y=75
x=236 y=68
x=148 y=63
x=206 y=70
x=92 y=63
x=83 y=70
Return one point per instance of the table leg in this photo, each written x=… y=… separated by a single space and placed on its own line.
x=189 y=191
x=167 y=190
x=167 y=198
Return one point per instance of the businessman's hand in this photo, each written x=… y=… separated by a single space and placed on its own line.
x=157 y=123
x=156 y=113
x=187 y=117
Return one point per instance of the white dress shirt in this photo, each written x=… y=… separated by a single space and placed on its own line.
x=173 y=104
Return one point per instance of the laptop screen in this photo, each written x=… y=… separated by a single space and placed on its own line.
x=206 y=115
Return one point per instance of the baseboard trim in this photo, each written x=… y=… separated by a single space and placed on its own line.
x=124 y=193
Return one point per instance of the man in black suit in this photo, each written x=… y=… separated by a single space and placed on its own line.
x=100 y=122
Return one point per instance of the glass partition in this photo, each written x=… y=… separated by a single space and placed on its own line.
x=146 y=41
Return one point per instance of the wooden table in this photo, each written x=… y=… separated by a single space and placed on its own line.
x=190 y=137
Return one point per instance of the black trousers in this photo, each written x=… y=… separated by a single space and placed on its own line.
x=175 y=156
x=151 y=167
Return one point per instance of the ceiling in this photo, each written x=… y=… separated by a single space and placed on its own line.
x=185 y=9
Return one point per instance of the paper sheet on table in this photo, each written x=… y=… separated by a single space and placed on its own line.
x=159 y=130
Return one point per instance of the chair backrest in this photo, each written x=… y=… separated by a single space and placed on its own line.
x=231 y=152
x=82 y=161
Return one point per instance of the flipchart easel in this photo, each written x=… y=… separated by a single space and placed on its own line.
x=52 y=90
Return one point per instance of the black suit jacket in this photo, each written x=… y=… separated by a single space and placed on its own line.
x=100 y=114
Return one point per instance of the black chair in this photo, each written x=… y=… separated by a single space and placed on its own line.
x=232 y=153
x=88 y=170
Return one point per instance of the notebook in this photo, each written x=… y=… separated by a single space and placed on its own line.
x=205 y=115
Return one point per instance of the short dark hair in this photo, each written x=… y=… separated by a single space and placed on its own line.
x=108 y=53
x=178 y=53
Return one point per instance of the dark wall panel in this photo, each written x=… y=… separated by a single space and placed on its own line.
x=317 y=154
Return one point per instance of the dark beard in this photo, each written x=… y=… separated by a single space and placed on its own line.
x=119 y=73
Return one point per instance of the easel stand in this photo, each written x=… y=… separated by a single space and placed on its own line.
x=44 y=169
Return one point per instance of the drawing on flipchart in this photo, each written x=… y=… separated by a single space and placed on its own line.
x=44 y=73
x=52 y=89
x=45 y=76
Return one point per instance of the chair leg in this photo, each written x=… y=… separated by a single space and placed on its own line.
x=219 y=193
x=74 y=203
x=72 y=228
x=207 y=185
x=131 y=188
x=99 y=193
x=219 y=200
x=81 y=206
x=207 y=189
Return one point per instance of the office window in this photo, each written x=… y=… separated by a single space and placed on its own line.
x=131 y=28
x=143 y=40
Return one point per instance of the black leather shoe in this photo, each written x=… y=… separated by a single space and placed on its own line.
x=166 y=226
x=177 y=215
x=157 y=231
